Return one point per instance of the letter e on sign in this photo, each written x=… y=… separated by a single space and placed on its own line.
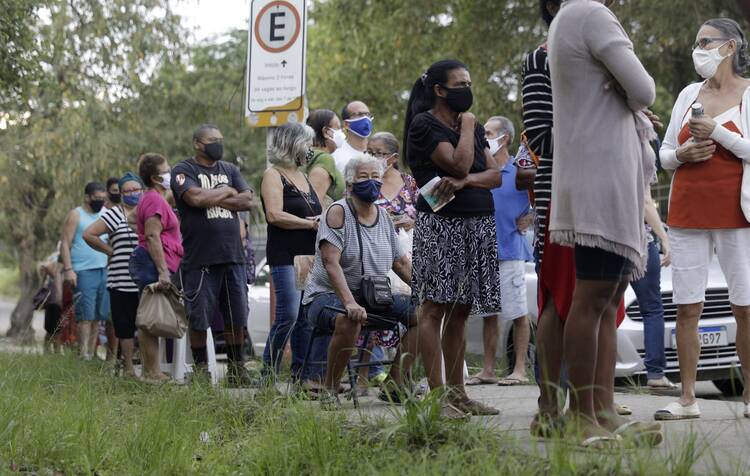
x=277 y=26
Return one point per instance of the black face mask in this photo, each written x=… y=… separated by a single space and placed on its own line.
x=214 y=150
x=96 y=205
x=114 y=197
x=459 y=99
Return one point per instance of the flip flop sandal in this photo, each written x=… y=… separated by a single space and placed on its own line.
x=675 y=411
x=512 y=382
x=747 y=410
x=601 y=442
x=650 y=434
x=473 y=381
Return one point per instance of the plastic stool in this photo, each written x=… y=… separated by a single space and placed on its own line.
x=182 y=357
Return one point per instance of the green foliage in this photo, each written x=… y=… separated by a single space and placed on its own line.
x=18 y=63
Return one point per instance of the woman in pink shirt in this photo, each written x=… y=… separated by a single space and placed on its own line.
x=159 y=246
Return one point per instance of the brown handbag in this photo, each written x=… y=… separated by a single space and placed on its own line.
x=161 y=312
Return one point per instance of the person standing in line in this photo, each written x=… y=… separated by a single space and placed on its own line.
x=599 y=90
x=648 y=294
x=159 y=249
x=358 y=126
x=292 y=209
x=708 y=208
x=513 y=216
x=123 y=292
x=86 y=269
x=209 y=192
x=455 y=266
x=325 y=178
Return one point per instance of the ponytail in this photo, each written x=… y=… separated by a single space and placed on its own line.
x=422 y=97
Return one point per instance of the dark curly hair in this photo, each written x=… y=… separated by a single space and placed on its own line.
x=148 y=166
x=545 y=13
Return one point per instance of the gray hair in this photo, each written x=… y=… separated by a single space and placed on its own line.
x=350 y=171
x=731 y=29
x=388 y=139
x=506 y=127
x=289 y=144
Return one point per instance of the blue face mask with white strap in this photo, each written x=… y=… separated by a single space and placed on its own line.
x=361 y=126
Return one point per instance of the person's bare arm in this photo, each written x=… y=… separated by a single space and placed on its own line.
x=488 y=179
x=654 y=221
x=321 y=181
x=525 y=179
x=272 y=191
x=206 y=198
x=402 y=268
x=239 y=203
x=93 y=232
x=68 y=233
x=152 y=232
x=458 y=161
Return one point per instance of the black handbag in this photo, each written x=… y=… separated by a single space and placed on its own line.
x=374 y=291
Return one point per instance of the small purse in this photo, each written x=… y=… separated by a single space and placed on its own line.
x=374 y=291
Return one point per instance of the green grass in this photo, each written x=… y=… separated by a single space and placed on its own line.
x=59 y=414
x=9 y=282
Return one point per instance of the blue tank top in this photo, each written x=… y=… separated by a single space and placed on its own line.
x=83 y=256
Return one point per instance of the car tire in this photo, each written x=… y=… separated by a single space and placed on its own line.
x=732 y=386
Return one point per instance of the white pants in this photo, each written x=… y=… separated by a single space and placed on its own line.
x=692 y=252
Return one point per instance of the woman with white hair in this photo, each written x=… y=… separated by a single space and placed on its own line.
x=292 y=211
x=356 y=247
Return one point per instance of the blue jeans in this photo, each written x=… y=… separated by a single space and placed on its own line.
x=286 y=325
x=648 y=293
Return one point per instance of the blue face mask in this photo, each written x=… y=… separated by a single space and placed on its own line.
x=368 y=191
x=131 y=200
x=361 y=126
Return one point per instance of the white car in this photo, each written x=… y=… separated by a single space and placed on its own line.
x=259 y=299
x=718 y=330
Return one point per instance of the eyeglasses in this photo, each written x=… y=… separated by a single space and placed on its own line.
x=381 y=155
x=360 y=114
x=704 y=42
x=132 y=191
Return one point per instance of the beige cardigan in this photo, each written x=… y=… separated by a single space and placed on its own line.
x=598 y=176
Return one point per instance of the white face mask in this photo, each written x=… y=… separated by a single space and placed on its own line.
x=166 y=179
x=706 y=62
x=338 y=137
x=496 y=144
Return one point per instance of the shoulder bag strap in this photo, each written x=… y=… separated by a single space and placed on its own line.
x=359 y=235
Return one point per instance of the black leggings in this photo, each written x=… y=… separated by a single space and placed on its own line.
x=124 y=307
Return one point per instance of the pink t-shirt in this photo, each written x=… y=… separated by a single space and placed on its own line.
x=151 y=204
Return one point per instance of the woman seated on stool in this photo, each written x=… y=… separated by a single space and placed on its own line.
x=337 y=272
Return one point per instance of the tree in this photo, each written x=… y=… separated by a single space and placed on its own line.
x=91 y=54
x=17 y=59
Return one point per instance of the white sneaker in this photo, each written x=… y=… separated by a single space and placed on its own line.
x=661 y=383
x=676 y=411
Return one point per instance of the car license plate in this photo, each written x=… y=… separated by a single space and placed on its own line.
x=708 y=337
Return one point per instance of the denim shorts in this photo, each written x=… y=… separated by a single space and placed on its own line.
x=222 y=286
x=325 y=319
x=142 y=269
x=93 y=296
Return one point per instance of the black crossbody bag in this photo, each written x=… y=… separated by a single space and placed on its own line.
x=374 y=291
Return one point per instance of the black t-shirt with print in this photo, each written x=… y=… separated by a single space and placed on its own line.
x=209 y=235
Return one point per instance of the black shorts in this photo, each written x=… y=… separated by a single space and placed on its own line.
x=219 y=286
x=595 y=264
x=124 y=307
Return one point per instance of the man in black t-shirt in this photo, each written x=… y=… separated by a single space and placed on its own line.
x=209 y=192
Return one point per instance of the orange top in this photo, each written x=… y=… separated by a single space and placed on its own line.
x=706 y=195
